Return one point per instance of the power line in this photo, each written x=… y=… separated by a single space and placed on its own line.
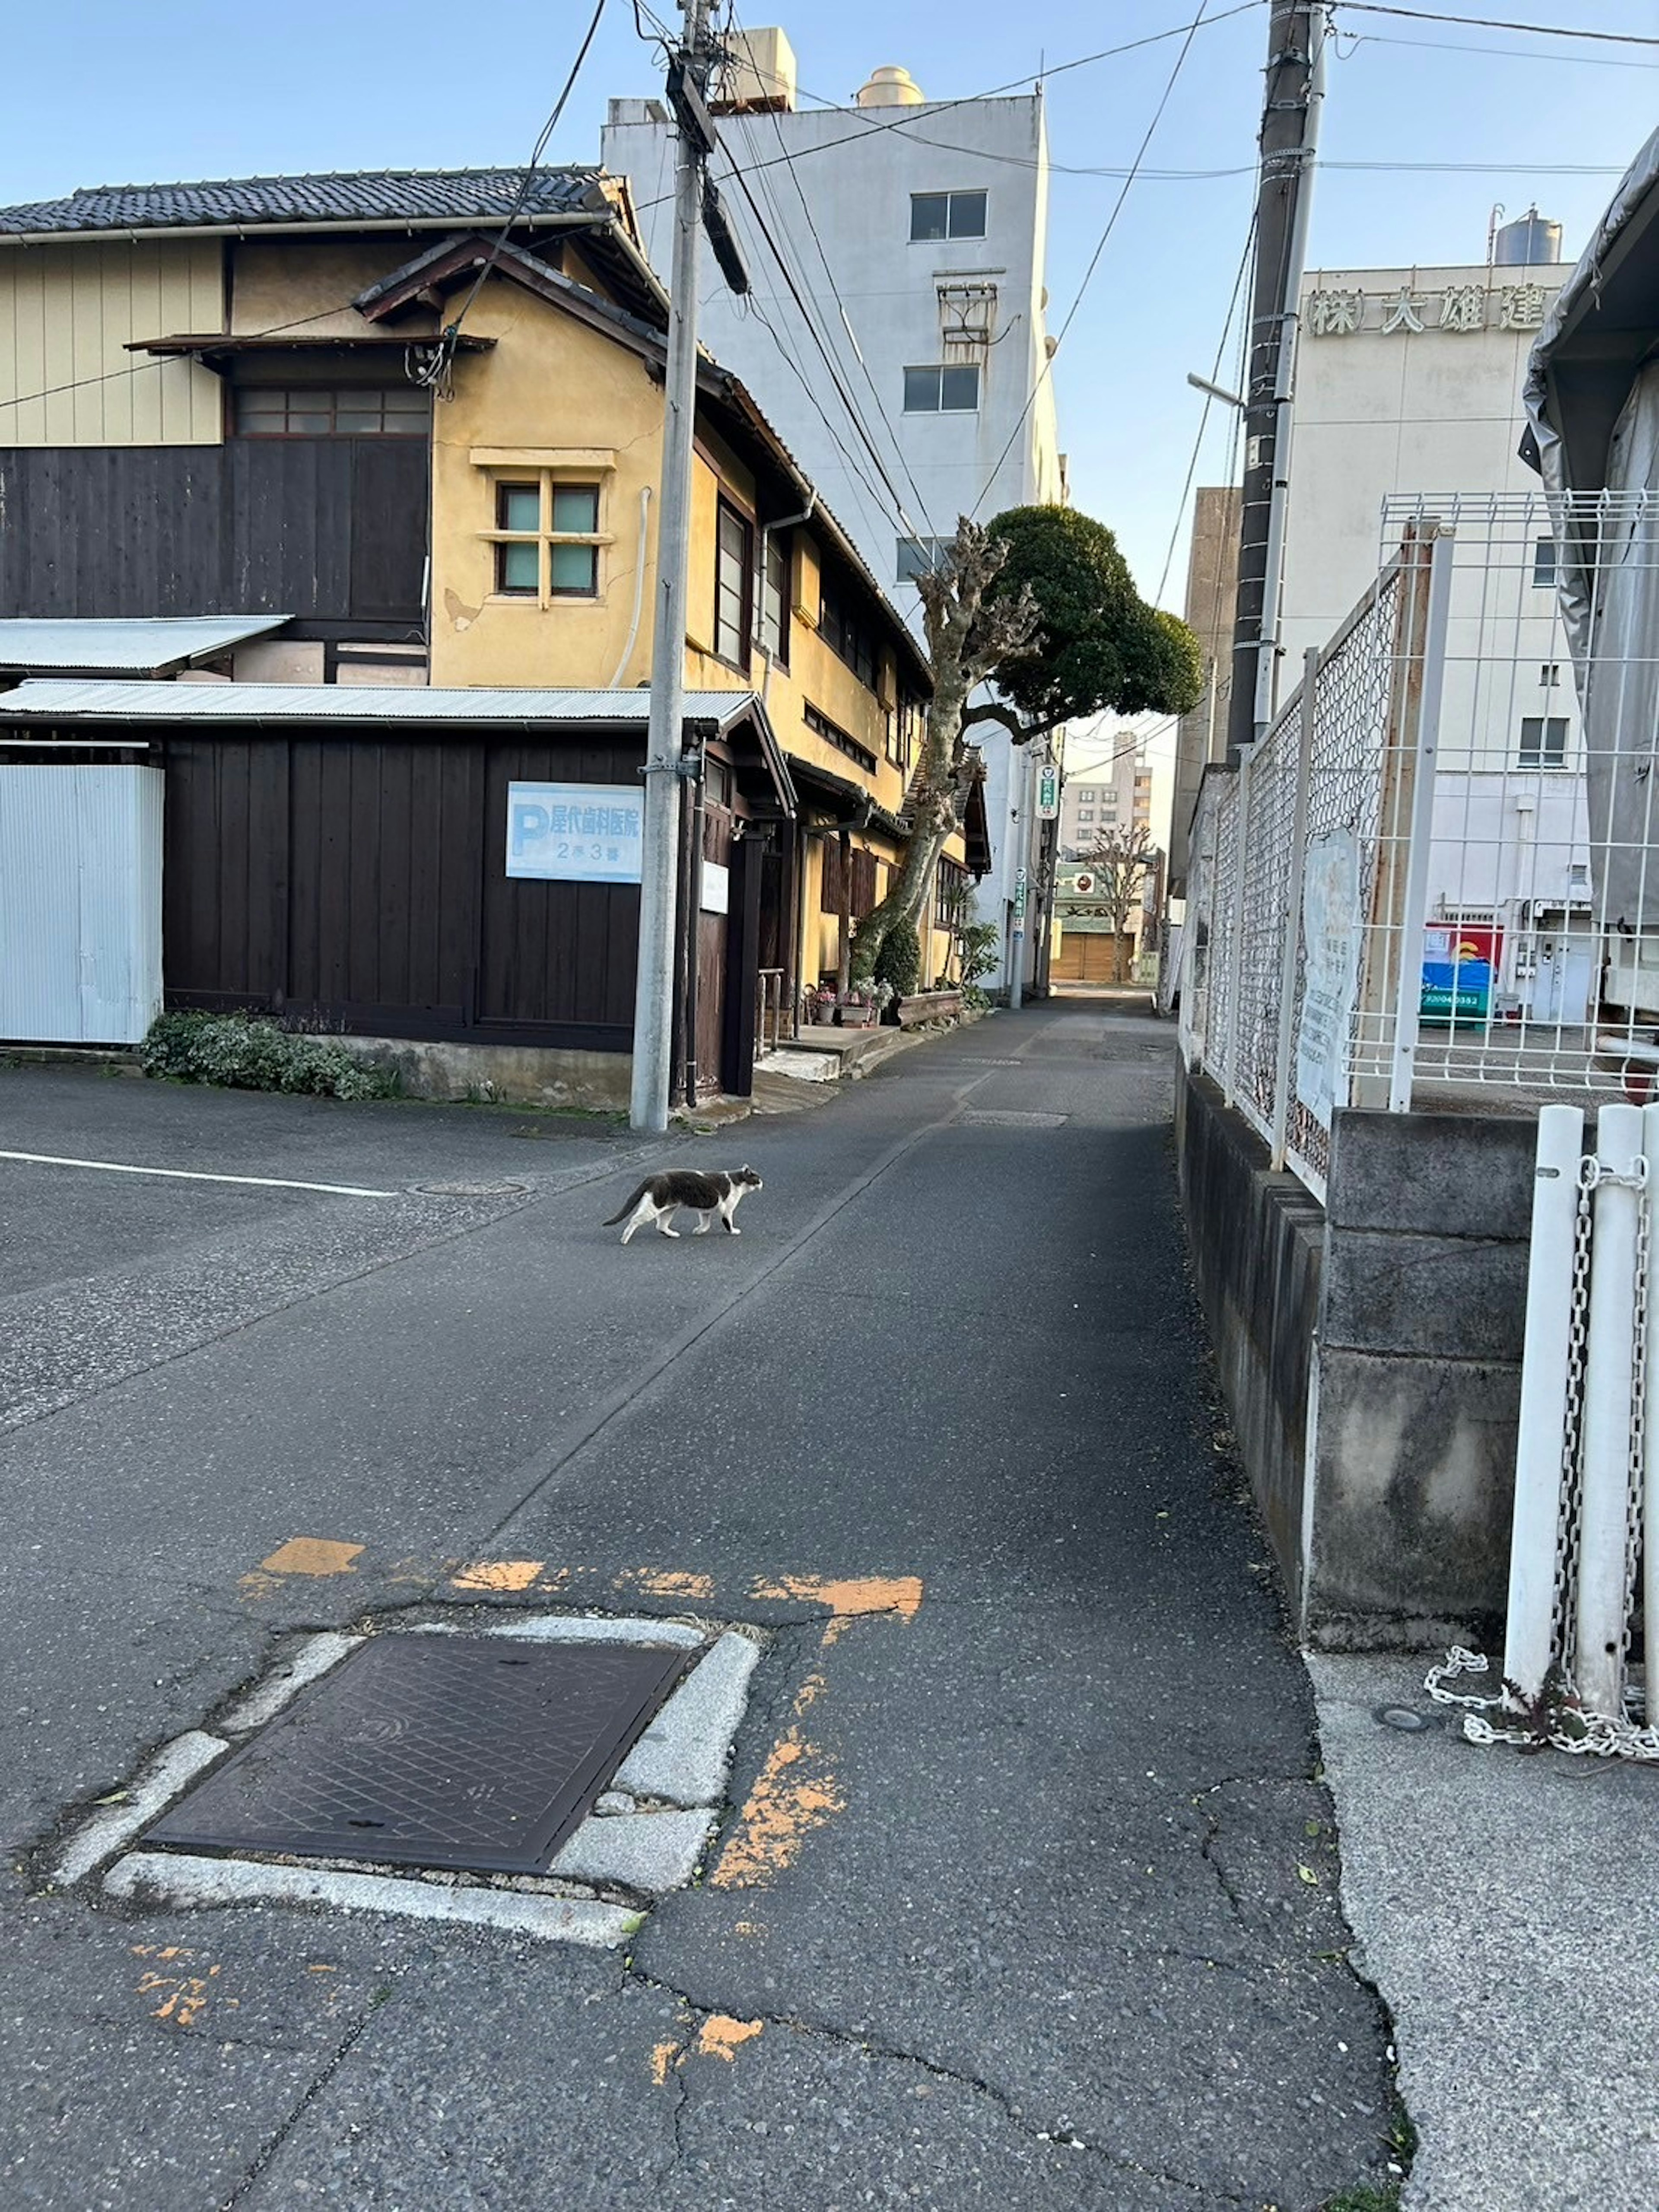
x=1499 y=24
x=143 y=367
x=883 y=506
x=908 y=119
x=846 y=398
x=836 y=294
x=440 y=367
x=1047 y=369
x=1500 y=53
x=1204 y=418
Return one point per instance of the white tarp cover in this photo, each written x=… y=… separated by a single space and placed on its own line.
x=1604 y=498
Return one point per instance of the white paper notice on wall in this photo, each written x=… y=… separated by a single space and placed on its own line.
x=1330 y=939
x=716 y=888
x=574 y=833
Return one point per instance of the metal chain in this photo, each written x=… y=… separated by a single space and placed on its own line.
x=1564 y=1722
x=1564 y=1636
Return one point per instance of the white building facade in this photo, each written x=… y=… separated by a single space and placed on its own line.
x=1407 y=401
x=896 y=251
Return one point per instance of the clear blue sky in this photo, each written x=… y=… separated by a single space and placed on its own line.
x=179 y=89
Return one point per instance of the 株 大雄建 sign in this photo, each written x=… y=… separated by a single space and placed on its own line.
x=574 y=833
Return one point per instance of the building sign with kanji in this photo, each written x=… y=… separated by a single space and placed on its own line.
x=1340 y=311
x=574 y=833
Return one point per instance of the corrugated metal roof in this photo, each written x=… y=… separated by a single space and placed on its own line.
x=127 y=647
x=366 y=196
x=66 y=701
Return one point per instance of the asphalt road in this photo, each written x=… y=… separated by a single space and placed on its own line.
x=1063 y=1931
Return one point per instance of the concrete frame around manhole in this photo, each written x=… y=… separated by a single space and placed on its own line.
x=646 y=1836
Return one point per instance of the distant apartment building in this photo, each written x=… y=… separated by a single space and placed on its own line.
x=1101 y=803
x=895 y=331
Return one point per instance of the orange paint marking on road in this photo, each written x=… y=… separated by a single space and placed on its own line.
x=498 y=1575
x=720 y=2036
x=848 y=1598
x=795 y=1792
x=311 y=1555
x=186 y=1995
x=666 y=1582
x=663 y=2056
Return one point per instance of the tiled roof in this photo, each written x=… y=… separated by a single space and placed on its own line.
x=369 y=196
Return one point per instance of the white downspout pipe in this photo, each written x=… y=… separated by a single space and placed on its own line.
x=638 y=594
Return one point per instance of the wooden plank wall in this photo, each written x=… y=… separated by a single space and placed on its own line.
x=361 y=881
x=317 y=528
x=66 y=315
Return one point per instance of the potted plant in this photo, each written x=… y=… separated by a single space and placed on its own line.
x=821 y=1004
x=858 y=1008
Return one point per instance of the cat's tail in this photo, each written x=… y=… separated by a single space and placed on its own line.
x=628 y=1206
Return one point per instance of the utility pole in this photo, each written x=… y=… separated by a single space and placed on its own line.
x=654 y=995
x=1290 y=137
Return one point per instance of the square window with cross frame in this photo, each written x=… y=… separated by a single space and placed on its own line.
x=547 y=539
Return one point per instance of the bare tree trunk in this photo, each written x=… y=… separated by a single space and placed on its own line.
x=968 y=641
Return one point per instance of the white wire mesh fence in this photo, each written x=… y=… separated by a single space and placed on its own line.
x=1439 y=866
x=1283 y=876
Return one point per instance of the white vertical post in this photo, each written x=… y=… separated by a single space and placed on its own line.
x=1649 y=1199
x=1235 y=932
x=1288 y=962
x=1609 y=1374
x=1425 y=741
x=1542 y=1442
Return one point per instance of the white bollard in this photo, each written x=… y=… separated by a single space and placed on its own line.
x=1609 y=1374
x=1542 y=1441
x=1651 y=1436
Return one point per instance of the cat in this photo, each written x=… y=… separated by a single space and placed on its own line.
x=660 y=1196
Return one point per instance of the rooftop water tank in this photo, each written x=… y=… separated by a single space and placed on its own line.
x=1530 y=239
x=891 y=87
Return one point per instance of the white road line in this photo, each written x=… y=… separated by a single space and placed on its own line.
x=197 y=1175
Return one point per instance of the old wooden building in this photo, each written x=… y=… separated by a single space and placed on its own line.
x=427 y=442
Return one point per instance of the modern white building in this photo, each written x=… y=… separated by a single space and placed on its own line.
x=1106 y=801
x=1407 y=393
x=895 y=332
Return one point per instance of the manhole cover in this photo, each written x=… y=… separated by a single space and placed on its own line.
x=986 y=1118
x=434 y=1751
x=468 y=1189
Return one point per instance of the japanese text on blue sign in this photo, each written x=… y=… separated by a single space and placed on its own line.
x=574 y=833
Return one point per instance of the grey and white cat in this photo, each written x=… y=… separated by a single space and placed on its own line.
x=659 y=1197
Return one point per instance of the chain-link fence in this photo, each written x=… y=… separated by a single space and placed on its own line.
x=1284 y=875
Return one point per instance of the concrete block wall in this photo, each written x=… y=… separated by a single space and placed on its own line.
x=1257 y=1241
x=1370 y=1355
x=1420 y=1331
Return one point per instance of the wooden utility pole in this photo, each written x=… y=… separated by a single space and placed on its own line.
x=1290 y=136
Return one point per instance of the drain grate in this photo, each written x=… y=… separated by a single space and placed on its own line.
x=477 y=1752
x=985 y=1117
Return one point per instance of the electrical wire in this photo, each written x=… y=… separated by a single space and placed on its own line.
x=908 y=119
x=835 y=295
x=1047 y=369
x=1499 y=24
x=813 y=332
x=439 y=370
x=1204 y=418
x=141 y=367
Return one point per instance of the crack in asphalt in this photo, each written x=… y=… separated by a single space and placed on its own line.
x=313 y=2089
x=1062 y=2138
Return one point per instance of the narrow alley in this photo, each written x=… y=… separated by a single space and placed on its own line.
x=1025 y=1889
